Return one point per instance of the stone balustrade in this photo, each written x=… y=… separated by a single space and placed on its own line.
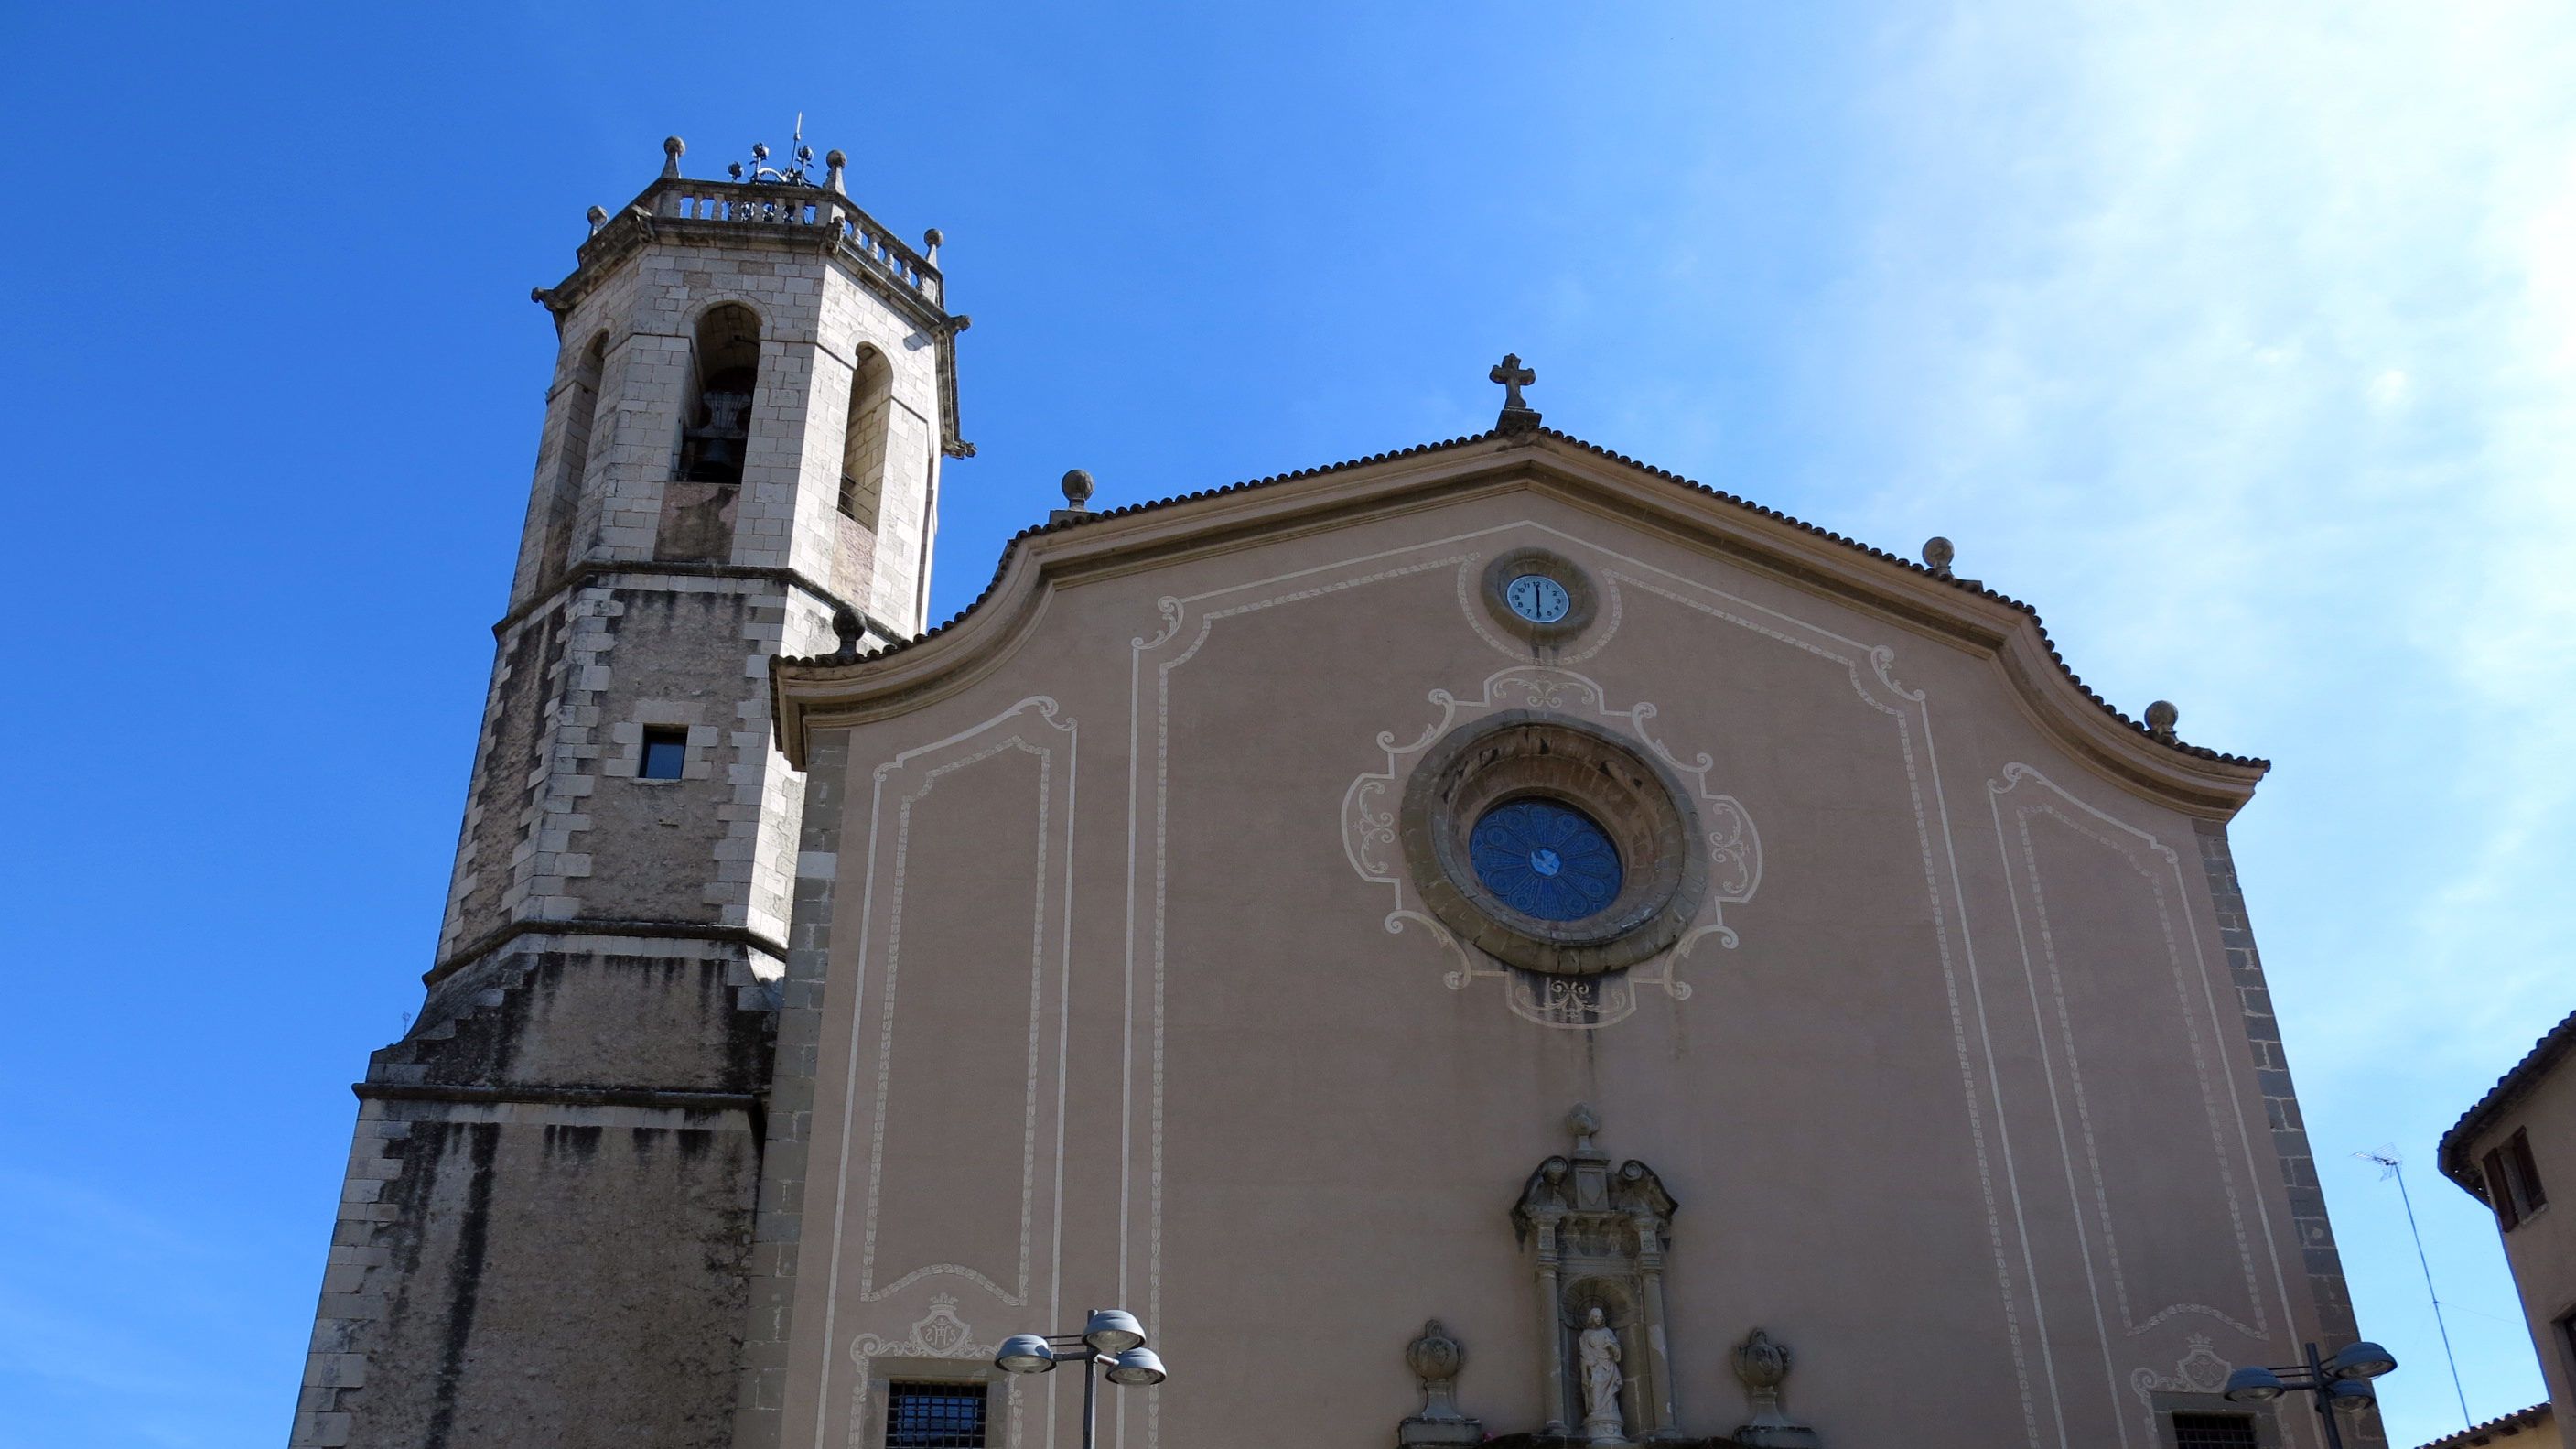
x=740 y=203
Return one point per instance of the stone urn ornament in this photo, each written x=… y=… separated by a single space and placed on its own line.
x=1761 y=1364
x=1435 y=1359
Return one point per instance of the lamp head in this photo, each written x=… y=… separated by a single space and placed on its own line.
x=1024 y=1353
x=2351 y=1396
x=1137 y=1366
x=2360 y=1361
x=2253 y=1384
x=1113 y=1331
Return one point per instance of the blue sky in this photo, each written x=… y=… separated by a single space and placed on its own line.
x=2241 y=340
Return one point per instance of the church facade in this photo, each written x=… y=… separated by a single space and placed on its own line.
x=1492 y=941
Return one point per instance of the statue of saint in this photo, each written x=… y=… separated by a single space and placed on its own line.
x=1598 y=1349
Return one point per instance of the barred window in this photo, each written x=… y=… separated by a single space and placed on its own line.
x=2214 y=1431
x=935 y=1416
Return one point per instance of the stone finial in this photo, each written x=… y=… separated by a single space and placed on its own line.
x=672 y=149
x=1517 y=416
x=1435 y=1359
x=847 y=628
x=2161 y=719
x=1077 y=496
x=1937 y=554
x=834 y=161
x=1761 y=1365
x=1583 y=1122
x=598 y=217
x=930 y=241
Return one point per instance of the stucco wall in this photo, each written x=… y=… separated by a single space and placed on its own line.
x=1123 y=1006
x=2542 y=1247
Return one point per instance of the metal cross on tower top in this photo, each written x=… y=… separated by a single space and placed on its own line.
x=1517 y=416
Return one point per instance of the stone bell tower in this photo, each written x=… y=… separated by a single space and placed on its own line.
x=548 y=1210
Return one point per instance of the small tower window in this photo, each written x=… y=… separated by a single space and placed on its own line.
x=666 y=752
x=724 y=369
x=934 y=1416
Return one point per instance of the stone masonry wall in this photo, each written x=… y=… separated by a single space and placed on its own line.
x=546 y=1230
x=770 y=1290
x=2324 y=1264
x=535 y=1246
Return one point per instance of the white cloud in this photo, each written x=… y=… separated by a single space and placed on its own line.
x=2242 y=341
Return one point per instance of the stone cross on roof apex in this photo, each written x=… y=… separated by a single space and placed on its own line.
x=1517 y=416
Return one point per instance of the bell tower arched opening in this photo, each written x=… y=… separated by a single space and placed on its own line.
x=863 y=468
x=715 y=434
x=863 y=441
x=572 y=461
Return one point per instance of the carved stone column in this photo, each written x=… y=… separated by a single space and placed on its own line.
x=1659 y=1356
x=1541 y=1212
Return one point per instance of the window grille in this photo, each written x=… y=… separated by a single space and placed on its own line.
x=935 y=1416
x=2214 y=1431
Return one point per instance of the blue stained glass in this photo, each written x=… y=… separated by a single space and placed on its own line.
x=1545 y=859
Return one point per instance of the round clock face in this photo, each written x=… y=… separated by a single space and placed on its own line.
x=1537 y=598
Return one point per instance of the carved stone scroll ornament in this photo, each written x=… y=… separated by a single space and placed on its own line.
x=1598 y=1239
x=1762 y=1362
x=1435 y=1359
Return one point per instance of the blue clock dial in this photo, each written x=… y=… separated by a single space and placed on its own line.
x=1545 y=859
x=1538 y=598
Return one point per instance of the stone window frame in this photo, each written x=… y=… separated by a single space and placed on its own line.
x=2512 y=1177
x=1583 y=596
x=698 y=758
x=2562 y=1334
x=1522 y=754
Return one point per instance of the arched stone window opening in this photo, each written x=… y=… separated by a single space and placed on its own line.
x=724 y=373
x=863 y=441
x=563 y=498
x=715 y=434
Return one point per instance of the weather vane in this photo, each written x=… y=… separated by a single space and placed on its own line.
x=761 y=171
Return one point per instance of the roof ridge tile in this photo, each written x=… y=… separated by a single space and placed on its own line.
x=1011 y=546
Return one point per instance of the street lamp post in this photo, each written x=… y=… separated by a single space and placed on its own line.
x=1111 y=1337
x=2341 y=1383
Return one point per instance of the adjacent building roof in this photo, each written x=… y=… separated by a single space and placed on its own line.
x=2508 y=1426
x=1068 y=520
x=2526 y=1074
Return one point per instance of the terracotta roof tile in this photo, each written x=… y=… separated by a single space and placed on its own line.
x=1002 y=566
x=2544 y=1054
x=2503 y=1426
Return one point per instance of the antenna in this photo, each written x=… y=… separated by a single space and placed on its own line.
x=2391 y=1165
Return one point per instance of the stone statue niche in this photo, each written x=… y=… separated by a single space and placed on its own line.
x=1599 y=1236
